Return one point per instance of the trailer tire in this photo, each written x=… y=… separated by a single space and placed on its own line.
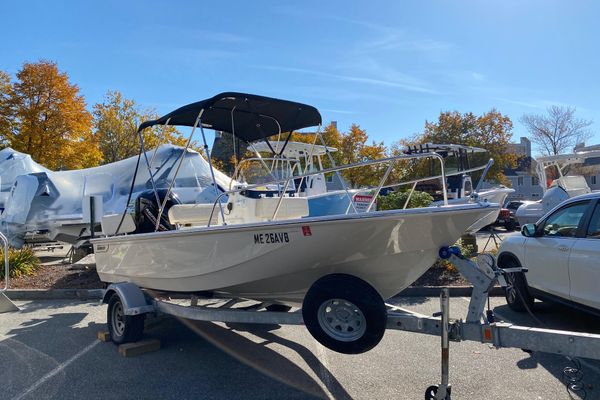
x=432 y=391
x=344 y=313
x=123 y=328
x=510 y=226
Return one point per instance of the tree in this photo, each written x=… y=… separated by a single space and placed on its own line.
x=51 y=122
x=7 y=112
x=558 y=131
x=354 y=149
x=225 y=157
x=491 y=131
x=116 y=120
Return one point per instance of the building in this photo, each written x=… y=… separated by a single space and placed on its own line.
x=521 y=149
x=523 y=178
x=591 y=166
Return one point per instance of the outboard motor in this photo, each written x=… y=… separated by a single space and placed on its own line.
x=146 y=211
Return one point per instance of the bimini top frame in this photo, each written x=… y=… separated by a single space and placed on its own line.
x=249 y=117
x=246 y=116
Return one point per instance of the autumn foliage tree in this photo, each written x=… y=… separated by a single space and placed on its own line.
x=116 y=120
x=6 y=107
x=352 y=147
x=47 y=118
x=491 y=131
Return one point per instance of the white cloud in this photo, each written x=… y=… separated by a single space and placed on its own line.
x=352 y=78
x=334 y=111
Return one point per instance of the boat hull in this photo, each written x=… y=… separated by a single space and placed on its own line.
x=493 y=195
x=279 y=261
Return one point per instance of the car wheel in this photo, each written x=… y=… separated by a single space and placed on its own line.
x=516 y=291
x=510 y=226
x=344 y=313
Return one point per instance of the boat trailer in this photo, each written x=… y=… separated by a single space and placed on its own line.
x=478 y=326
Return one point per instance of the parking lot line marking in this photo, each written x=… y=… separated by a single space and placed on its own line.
x=56 y=370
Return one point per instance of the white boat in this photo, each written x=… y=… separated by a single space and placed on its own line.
x=280 y=260
x=460 y=189
x=563 y=187
x=297 y=158
x=341 y=267
x=13 y=164
x=57 y=203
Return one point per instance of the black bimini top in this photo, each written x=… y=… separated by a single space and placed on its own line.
x=248 y=116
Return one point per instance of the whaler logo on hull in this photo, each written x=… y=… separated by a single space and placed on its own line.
x=266 y=238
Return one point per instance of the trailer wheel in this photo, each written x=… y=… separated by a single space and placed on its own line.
x=123 y=328
x=432 y=391
x=344 y=313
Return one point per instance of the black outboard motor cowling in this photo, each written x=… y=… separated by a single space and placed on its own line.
x=146 y=211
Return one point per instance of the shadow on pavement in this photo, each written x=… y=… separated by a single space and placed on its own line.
x=268 y=361
x=556 y=316
x=57 y=356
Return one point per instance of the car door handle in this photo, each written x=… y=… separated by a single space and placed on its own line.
x=563 y=248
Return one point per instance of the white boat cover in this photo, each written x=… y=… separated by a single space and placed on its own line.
x=13 y=164
x=50 y=200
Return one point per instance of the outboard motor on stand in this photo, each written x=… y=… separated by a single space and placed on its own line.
x=146 y=211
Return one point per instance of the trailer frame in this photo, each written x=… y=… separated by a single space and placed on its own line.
x=478 y=326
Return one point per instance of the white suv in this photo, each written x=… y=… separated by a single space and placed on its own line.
x=562 y=255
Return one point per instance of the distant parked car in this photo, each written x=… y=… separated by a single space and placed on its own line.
x=561 y=253
x=506 y=220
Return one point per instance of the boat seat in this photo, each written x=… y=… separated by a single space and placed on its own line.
x=109 y=224
x=193 y=214
x=291 y=207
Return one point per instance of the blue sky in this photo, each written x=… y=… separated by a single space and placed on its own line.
x=386 y=65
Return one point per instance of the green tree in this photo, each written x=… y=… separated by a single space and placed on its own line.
x=396 y=200
x=116 y=120
x=51 y=122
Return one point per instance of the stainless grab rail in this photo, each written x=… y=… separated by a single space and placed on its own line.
x=390 y=160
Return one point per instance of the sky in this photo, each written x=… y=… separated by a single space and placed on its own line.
x=386 y=65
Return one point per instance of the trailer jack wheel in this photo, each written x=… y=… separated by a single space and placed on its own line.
x=344 y=313
x=123 y=328
x=431 y=392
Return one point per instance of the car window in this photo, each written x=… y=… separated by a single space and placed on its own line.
x=564 y=222
x=594 y=227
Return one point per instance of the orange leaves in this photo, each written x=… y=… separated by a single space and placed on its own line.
x=50 y=121
x=116 y=120
x=491 y=131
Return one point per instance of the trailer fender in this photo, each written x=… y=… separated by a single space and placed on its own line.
x=132 y=297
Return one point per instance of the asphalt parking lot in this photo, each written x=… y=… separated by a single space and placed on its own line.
x=49 y=350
